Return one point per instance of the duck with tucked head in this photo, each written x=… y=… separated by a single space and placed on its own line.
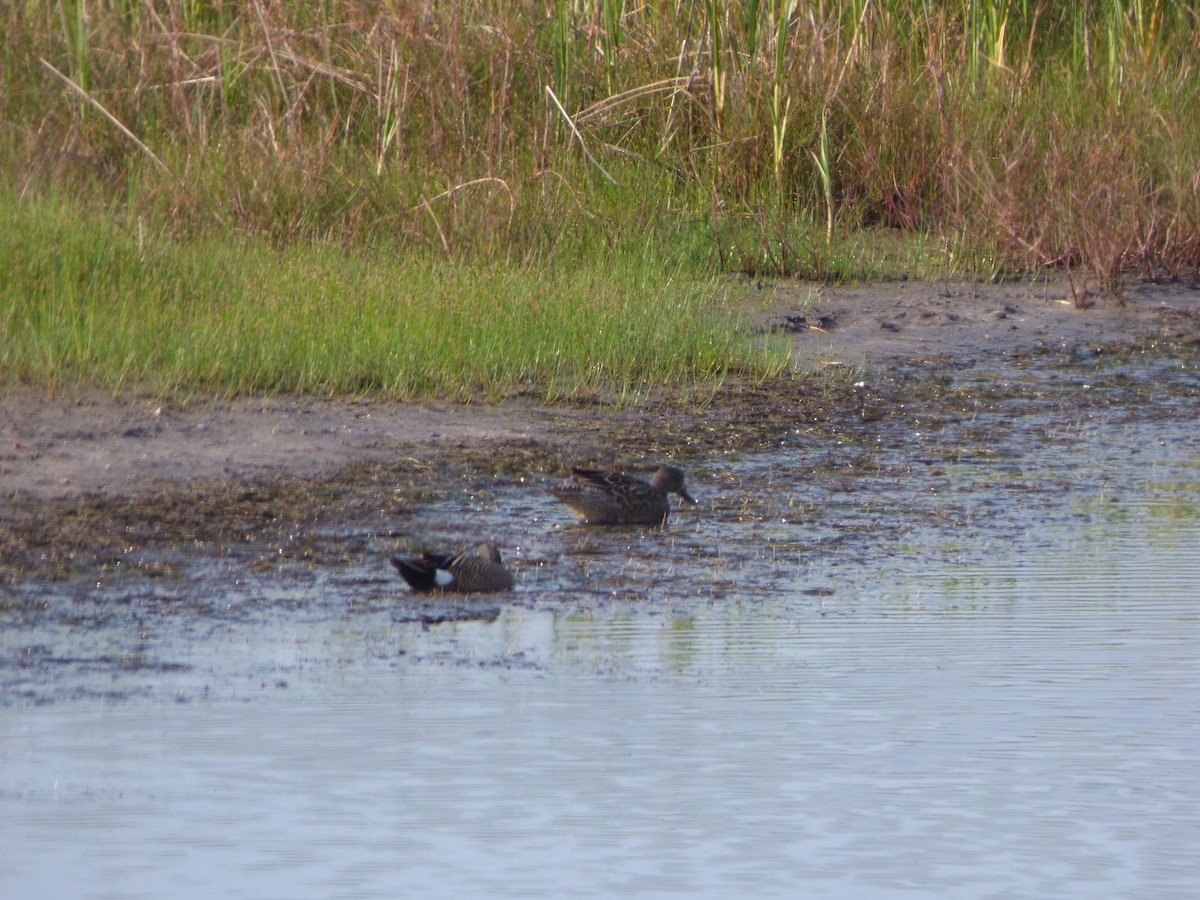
x=480 y=572
x=614 y=498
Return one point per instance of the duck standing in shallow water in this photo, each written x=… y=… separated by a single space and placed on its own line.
x=614 y=498
x=466 y=573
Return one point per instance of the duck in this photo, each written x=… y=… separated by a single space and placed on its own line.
x=479 y=572
x=597 y=497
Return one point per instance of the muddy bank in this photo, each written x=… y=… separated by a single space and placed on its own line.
x=89 y=479
x=898 y=322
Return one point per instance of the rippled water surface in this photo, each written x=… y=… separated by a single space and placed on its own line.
x=966 y=665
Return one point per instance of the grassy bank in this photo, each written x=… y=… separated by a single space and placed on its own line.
x=320 y=179
x=87 y=299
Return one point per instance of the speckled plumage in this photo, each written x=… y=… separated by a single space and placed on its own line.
x=480 y=572
x=614 y=498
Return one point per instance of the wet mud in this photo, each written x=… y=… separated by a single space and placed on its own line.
x=805 y=484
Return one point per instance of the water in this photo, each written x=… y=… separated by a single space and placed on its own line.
x=956 y=667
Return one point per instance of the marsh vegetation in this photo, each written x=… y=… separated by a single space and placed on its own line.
x=459 y=199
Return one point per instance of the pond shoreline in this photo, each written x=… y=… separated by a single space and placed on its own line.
x=87 y=472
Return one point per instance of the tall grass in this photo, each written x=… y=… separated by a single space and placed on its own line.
x=82 y=300
x=362 y=121
x=767 y=136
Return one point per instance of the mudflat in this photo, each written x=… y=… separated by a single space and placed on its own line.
x=55 y=446
x=89 y=479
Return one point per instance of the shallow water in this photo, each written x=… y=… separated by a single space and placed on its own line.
x=960 y=663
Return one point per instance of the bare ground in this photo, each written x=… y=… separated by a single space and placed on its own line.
x=89 y=480
x=53 y=448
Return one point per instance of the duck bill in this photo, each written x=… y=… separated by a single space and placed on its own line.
x=686 y=497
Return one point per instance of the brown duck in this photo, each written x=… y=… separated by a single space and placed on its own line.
x=480 y=572
x=614 y=498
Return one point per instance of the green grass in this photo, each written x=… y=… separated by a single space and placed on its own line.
x=349 y=170
x=83 y=299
